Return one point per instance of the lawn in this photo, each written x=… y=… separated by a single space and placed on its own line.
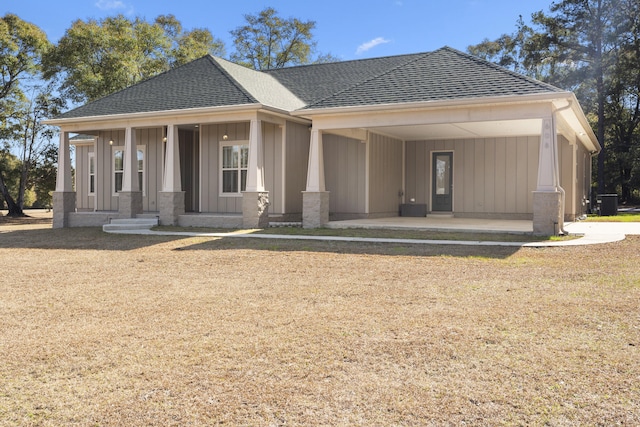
x=101 y=330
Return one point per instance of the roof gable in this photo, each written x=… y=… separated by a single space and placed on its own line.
x=262 y=86
x=197 y=84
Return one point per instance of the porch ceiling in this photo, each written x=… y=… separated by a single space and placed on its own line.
x=504 y=128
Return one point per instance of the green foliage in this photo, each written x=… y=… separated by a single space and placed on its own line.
x=21 y=47
x=590 y=47
x=268 y=41
x=43 y=177
x=96 y=58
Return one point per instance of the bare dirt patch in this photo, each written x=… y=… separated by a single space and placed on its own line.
x=101 y=329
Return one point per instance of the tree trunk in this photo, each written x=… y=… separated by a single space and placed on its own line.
x=14 y=209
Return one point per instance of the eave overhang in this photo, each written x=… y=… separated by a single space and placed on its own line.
x=555 y=100
x=166 y=117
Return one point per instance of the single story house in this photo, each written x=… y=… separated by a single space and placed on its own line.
x=212 y=143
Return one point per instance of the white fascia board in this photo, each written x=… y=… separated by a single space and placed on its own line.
x=182 y=116
x=423 y=105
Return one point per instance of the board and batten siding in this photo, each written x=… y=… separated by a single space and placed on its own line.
x=385 y=175
x=492 y=177
x=575 y=179
x=345 y=175
x=298 y=139
x=211 y=136
x=84 y=202
x=151 y=141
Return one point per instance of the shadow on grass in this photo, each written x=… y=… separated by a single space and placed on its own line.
x=82 y=238
x=341 y=247
x=96 y=239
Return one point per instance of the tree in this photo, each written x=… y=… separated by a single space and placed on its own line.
x=268 y=41
x=44 y=176
x=580 y=34
x=96 y=58
x=623 y=103
x=9 y=175
x=21 y=48
x=27 y=134
x=577 y=46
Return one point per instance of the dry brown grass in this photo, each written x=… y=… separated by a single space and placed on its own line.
x=101 y=329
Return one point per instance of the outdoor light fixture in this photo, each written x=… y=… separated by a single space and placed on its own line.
x=164 y=139
x=225 y=137
x=111 y=142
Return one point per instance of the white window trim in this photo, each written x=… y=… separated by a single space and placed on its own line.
x=92 y=159
x=223 y=144
x=113 y=168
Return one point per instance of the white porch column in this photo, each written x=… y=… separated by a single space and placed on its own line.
x=64 y=198
x=315 y=200
x=130 y=198
x=130 y=162
x=171 y=198
x=255 y=199
x=315 y=171
x=255 y=167
x=171 y=177
x=548 y=157
x=548 y=197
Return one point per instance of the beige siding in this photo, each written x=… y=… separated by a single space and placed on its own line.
x=273 y=165
x=345 y=174
x=297 y=160
x=385 y=174
x=211 y=201
x=492 y=177
x=575 y=179
x=151 y=140
x=84 y=202
x=105 y=199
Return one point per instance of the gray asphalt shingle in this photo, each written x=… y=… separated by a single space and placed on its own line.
x=444 y=74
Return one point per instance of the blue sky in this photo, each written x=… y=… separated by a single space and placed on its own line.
x=348 y=29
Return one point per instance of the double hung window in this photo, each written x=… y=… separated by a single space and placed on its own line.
x=234 y=160
x=118 y=168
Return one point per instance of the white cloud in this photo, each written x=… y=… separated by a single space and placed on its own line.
x=110 y=4
x=371 y=44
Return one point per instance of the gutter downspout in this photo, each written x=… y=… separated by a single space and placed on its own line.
x=556 y=167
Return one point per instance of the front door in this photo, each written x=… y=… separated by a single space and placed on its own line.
x=442 y=182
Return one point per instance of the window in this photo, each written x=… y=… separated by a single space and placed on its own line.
x=118 y=169
x=234 y=159
x=92 y=174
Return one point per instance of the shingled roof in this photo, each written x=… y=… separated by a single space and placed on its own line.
x=444 y=74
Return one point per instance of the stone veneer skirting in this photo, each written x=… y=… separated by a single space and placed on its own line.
x=129 y=204
x=547 y=213
x=315 y=209
x=255 y=209
x=64 y=203
x=171 y=205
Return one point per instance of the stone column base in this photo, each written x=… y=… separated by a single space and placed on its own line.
x=547 y=213
x=315 y=209
x=129 y=204
x=171 y=205
x=255 y=209
x=64 y=203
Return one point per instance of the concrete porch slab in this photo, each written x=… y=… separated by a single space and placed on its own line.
x=440 y=223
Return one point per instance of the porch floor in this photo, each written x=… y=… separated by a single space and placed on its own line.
x=440 y=223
